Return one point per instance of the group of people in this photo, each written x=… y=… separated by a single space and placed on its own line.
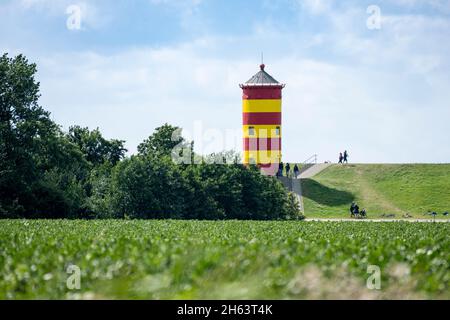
x=287 y=168
x=355 y=213
x=343 y=157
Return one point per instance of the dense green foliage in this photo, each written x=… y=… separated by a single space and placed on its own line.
x=162 y=142
x=398 y=190
x=95 y=148
x=154 y=187
x=46 y=173
x=223 y=259
x=40 y=170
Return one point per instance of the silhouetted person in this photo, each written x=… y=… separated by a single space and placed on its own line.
x=288 y=169
x=345 y=156
x=363 y=213
x=356 y=210
x=280 y=169
x=341 y=157
x=296 y=171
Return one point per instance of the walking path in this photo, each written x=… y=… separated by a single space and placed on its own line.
x=375 y=220
x=297 y=190
x=295 y=186
x=315 y=169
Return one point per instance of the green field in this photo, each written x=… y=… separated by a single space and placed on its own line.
x=384 y=190
x=222 y=260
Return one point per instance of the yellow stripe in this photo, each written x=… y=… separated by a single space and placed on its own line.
x=261 y=157
x=261 y=131
x=261 y=105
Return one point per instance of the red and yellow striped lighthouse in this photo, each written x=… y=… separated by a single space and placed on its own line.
x=261 y=110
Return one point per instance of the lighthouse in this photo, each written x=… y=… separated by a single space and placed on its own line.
x=261 y=121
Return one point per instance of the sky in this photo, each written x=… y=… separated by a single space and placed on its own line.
x=371 y=77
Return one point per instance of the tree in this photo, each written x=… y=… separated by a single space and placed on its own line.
x=38 y=163
x=24 y=125
x=95 y=147
x=148 y=188
x=163 y=141
x=100 y=198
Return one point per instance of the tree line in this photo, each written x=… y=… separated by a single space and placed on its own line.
x=48 y=173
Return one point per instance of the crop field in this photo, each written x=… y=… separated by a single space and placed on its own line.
x=223 y=259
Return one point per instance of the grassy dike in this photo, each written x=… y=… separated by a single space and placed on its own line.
x=383 y=189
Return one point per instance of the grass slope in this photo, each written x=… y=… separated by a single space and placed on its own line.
x=382 y=189
x=223 y=259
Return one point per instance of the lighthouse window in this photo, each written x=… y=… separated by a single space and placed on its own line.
x=277 y=131
x=251 y=131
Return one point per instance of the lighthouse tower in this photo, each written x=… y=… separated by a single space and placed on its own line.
x=261 y=110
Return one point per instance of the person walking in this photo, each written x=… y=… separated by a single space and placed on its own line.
x=341 y=157
x=363 y=213
x=288 y=170
x=280 y=169
x=345 y=156
x=356 y=210
x=296 y=171
x=352 y=209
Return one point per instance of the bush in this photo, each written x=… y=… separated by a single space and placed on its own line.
x=147 y=188
x=144 y=187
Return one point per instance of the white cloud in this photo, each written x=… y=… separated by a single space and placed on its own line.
x=440 y=5
x=382 y=94
x=91 y=16
x=316 y=6
x=327 y=107
x=187 y=11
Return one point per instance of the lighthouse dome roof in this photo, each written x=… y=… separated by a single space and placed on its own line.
x=262 y=78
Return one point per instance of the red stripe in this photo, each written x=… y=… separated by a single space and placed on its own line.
x=269 y=169
x=255 y=93
x=261 y=118
x=262 y=144
x=265 y=165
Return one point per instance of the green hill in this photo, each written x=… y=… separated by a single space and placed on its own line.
x=383 y=189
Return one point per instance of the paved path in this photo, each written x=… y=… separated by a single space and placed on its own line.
x=295 y=186
x=297 y=190
x=375 y=220
x=315 y=169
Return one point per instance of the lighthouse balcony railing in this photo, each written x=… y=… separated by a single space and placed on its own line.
x=311 y=160
x=308 y=163
x=276 y=85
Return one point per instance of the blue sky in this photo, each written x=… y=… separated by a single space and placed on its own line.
x=383 y=94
